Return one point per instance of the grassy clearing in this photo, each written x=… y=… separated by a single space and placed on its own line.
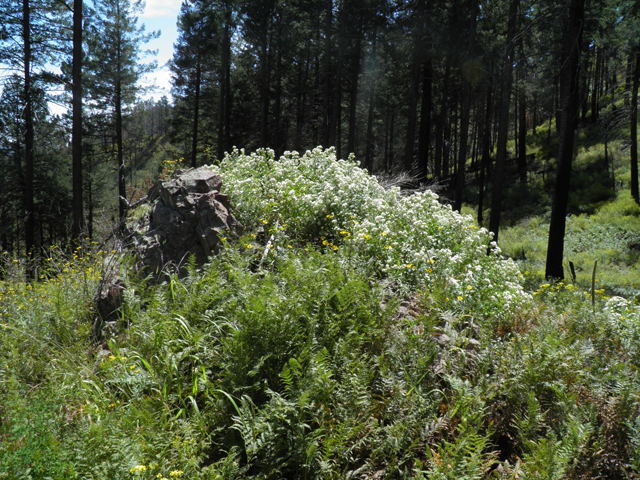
x=309 y=349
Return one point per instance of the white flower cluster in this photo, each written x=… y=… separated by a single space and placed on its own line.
x=414 y=239
x=624 y=318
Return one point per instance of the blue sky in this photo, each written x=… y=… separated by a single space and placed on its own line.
x=161 y=15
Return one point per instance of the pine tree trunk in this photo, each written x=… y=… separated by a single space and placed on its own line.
x=29 y=214
x=570 y=102
x=223 y=105
x=633 y=123
x=326 y=102
x=522 y=111
x=424 y=140
x=264 y=87
x=122 y=194
x=337 y=84
x=353 y=95
x=465 y=109
x=503 y=125
x=76 y=133
x=416 y=63
x=594 y=89
x=440 y=126
x=122 y=199
x=486 y=149
x=368 y=158
x=278 y=142
x=196 y=119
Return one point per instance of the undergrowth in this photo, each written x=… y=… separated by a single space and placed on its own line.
x=308 y=349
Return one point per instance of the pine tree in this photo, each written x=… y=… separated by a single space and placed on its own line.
x=114 y=68
x=193 y=61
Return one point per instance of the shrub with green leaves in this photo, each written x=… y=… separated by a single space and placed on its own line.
x=412 y=241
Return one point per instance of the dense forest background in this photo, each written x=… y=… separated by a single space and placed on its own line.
x=446 y=91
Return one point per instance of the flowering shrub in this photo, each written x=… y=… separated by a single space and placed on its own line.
x=415 y=241
x=624 y=318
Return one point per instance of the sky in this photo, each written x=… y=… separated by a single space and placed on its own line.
x=160 y=15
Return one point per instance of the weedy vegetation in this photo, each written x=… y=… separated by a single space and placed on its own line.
x=352 y=332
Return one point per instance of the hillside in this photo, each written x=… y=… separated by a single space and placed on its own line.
x=352 y=332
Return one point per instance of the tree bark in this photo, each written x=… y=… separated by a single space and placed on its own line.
x=76 y=133
x=633 y=124
x=486 y=151
x=424 y=139
x=503 y=124
x=196 y=115
x=122 y=194
x=522 y=124
x=440 y=126
x=570 y=101
x=368 y=158
x=337 y=84
x=594 y=89
x=326 y=103
x=29 y=228
x=353 y=100
x=224 y=103
x=264 y=87
x=466 y=107
x=412 y=103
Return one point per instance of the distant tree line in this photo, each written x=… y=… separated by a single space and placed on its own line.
x=87 y=59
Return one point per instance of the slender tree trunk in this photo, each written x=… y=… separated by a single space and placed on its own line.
x=196 y=114
x=594 y=89
x=465 y=109
x=76 y=133
x=303 y=76
x=424 y=140
x=326 y=103
x=416 y=63
x=522 y=111
x=29 y=214
x=264 y=90
x=3 y=232
x=570 y=101
x=474 y=141
x=503 y=125
x=222 y=124
x=486 y=146
x=370 y=141
x=368 y=158
x=440 y=127
x=627 y=80
x=226 y=45
x=337 y=84
x=122 y=195
x=633 y=124
x=277 y=107
x=584 y=86
x=90 y=203
x=353 y=96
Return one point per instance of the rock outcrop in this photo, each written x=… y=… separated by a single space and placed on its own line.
x=186 y=215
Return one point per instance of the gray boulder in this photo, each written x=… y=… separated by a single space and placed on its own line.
x=183 y=216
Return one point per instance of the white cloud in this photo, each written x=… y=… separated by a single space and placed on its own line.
x=158 y=82
x=161 y=8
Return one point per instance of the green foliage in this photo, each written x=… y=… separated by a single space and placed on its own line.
x=285 y=357
x=411 y=241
